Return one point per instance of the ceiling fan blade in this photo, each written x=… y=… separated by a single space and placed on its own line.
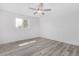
x=47 y=10
x=32 y=8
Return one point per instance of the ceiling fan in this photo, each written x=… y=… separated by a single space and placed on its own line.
x=40 y=10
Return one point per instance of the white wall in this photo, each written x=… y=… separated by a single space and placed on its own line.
x=8 y=31
x=62 y=24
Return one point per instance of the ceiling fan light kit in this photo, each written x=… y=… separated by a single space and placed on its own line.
x=39 y=10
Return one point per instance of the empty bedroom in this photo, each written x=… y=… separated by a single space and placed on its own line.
x=39 y=29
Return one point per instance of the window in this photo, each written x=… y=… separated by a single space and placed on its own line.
x=21 y=23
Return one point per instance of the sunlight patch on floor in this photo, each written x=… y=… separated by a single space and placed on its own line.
x=26 y=43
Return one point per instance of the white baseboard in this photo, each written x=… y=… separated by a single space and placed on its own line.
x=61 y=40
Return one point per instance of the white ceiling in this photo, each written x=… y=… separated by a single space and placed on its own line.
x=57 y=8
x=20 y=8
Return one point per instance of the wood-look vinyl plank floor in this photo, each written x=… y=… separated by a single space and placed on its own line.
x=42 y=47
